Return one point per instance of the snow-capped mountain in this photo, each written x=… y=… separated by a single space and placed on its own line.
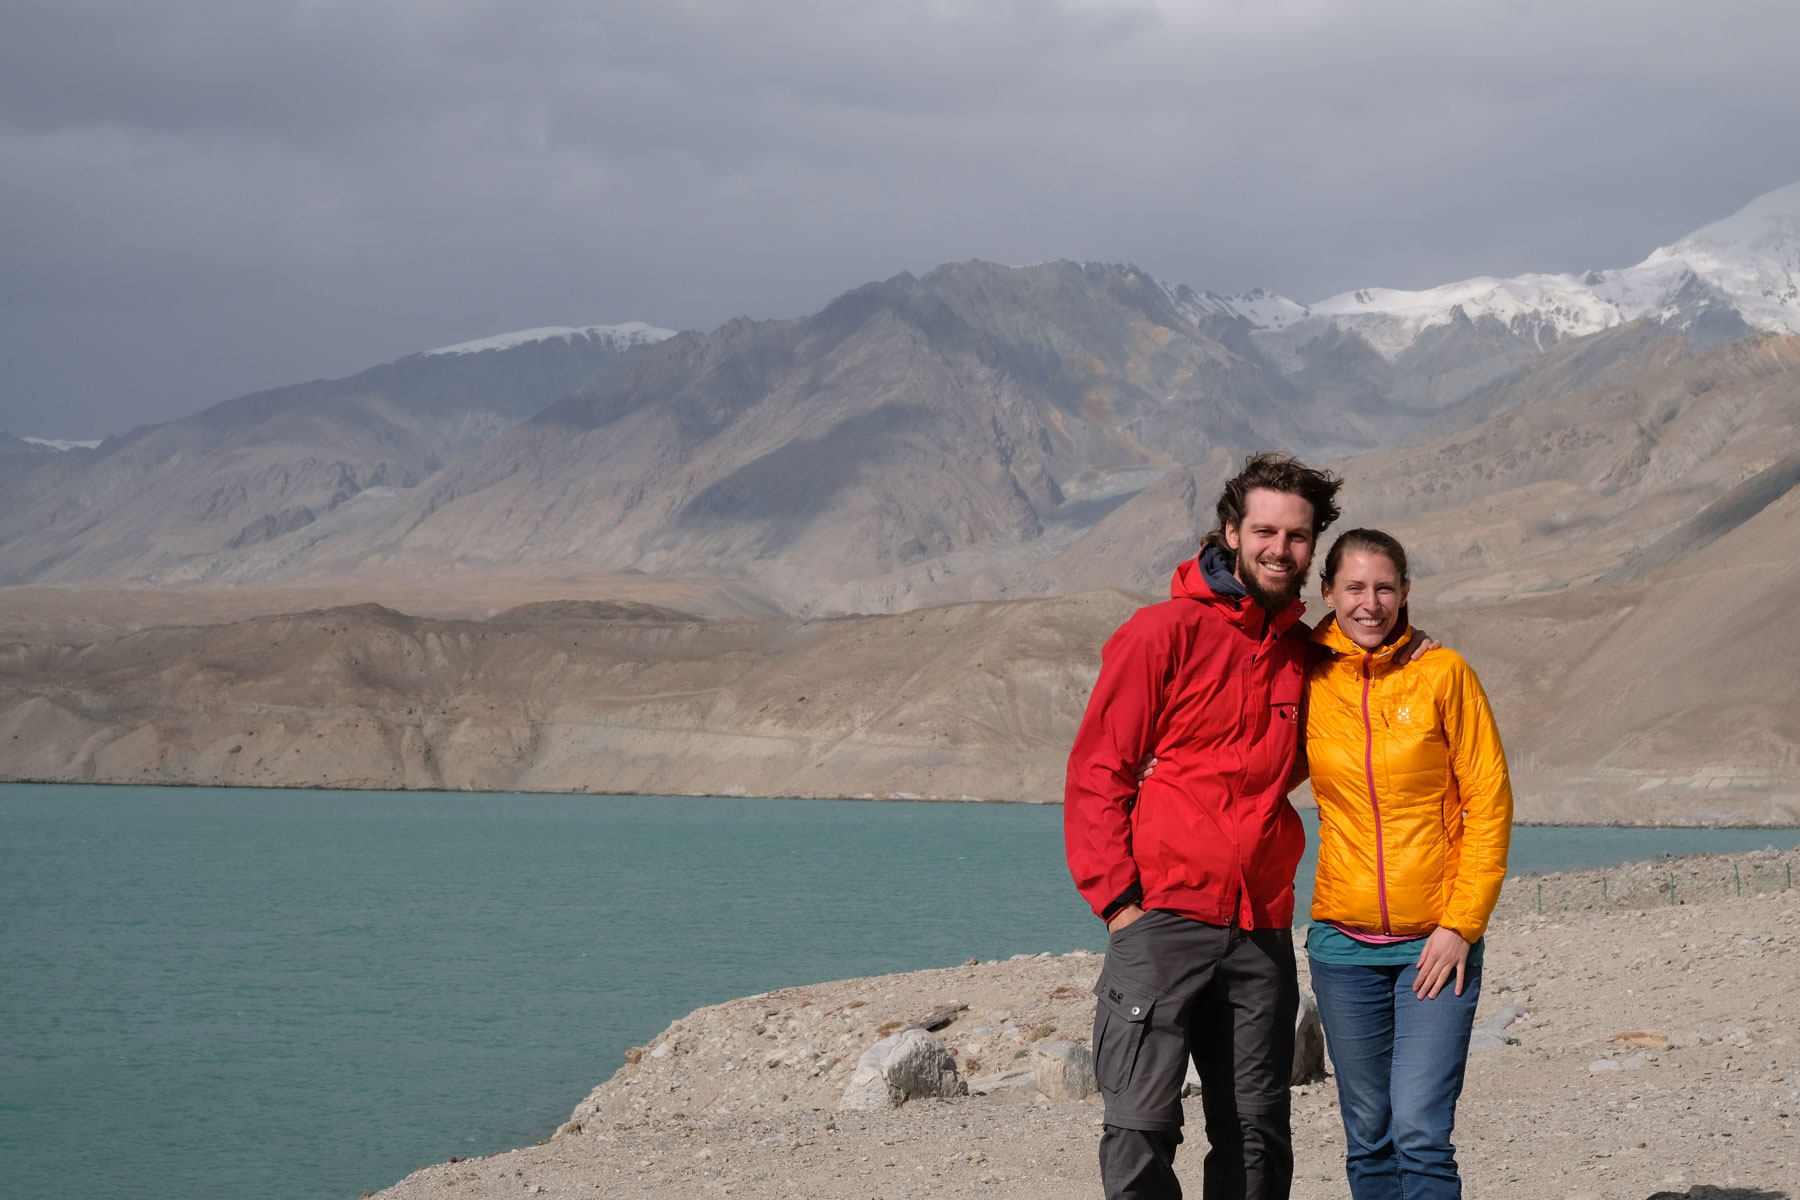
x=1731 y=277
x=61 y=444
x=620 y=337
x=1264 y=310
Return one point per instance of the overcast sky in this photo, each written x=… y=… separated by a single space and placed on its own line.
x=200 y=198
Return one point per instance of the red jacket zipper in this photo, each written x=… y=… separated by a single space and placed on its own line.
x=1374 y=804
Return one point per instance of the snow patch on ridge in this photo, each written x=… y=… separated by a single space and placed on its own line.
x=622 y=337
x=62 y=443
x=1750 y=261
x=1264 y=310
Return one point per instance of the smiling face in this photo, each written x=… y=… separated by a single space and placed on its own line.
x=1274 y=546
x=1366 y=594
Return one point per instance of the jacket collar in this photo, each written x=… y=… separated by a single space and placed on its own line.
x=1209 y=579
x=1338 y=642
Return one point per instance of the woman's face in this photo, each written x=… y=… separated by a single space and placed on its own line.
x=1366 y=596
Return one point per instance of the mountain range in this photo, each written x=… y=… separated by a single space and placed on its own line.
x=922 y=439
x=1595 y=475
x=1724 y=280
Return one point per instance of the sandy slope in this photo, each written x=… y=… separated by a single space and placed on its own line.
x=973 y=700
x=1704 y=1093
x=1614 y=708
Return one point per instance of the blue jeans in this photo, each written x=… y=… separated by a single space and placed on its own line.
x=1399 y=1063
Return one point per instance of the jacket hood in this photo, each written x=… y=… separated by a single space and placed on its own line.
x=1209 y=578
x=1338 y=642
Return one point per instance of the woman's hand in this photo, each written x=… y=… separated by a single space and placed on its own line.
x=1146 y=768
x=1444 y=952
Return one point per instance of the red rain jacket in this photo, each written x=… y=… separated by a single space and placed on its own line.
x=1211 y=685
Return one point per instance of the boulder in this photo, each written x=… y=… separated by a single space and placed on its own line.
x=907 y=1066
x=1309 y=1041
x=1063 y=1070
x=1309 y=1047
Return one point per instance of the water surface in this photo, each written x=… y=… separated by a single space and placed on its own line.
x=215 y=992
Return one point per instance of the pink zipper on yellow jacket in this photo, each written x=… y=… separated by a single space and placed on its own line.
x=1415 y=806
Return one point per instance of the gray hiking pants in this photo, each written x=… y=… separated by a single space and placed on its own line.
x=1174 y=988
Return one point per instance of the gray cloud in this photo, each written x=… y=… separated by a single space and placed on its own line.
x=201 y=197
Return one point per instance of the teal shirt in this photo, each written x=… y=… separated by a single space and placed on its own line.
x=1329 y=944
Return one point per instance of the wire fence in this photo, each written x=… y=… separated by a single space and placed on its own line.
x=1700 y=879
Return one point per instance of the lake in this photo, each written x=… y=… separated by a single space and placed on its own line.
x=222 y=992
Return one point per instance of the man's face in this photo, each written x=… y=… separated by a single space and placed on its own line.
x=1274 y=546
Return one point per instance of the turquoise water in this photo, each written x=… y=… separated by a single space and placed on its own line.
x=308 y=994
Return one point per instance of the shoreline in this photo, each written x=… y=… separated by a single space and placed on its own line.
x=1641 y=1047
x=865 y=798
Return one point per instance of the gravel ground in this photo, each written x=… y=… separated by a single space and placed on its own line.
x=1655 y=1056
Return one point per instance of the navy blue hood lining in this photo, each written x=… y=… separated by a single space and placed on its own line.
x=1215 y=568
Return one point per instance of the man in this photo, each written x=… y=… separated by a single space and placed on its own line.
x=1193 y=869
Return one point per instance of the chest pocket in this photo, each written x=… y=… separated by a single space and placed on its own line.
x=1416 y=746
x=1410 y=718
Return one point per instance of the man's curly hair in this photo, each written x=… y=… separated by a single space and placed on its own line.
x=1278 y=473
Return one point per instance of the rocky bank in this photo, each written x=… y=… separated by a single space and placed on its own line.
x=1628 y=1047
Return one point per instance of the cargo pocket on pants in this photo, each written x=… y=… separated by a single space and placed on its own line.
x=1121 y=1017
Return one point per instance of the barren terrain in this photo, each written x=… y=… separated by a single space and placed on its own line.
x=1655 y=1056
x=969 y=701
x=1612 y=539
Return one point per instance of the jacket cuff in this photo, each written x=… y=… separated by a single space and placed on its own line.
x=1131 y=895
x=1470 y=931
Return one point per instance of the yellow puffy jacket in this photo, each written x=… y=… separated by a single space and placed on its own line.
x=1415 y=807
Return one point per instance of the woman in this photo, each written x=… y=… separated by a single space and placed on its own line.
x=1415 y=812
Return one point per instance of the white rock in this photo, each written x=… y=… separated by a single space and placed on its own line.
x=907 y=1066
x=1063 y=1070
x=1309 y=1041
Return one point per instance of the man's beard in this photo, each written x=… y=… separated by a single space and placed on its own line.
x=1272 y=602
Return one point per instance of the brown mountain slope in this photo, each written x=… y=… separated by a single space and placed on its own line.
x=969 y=412
x=1673 y=693
x=920 y=441
x=1616 y=561
x=1615 y=704
x=1559 y=489
x=184 y=501
x=959 y=702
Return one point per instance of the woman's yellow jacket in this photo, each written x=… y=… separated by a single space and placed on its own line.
x=1415 y=807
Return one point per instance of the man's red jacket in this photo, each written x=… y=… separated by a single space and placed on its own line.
x=1210 y=684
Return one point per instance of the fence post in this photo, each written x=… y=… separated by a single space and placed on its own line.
x=1603 y=889
x=1540 y=897
x=1736 y=875
x=1671 y=889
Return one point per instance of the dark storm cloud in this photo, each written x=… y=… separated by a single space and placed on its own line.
x=200 y=198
